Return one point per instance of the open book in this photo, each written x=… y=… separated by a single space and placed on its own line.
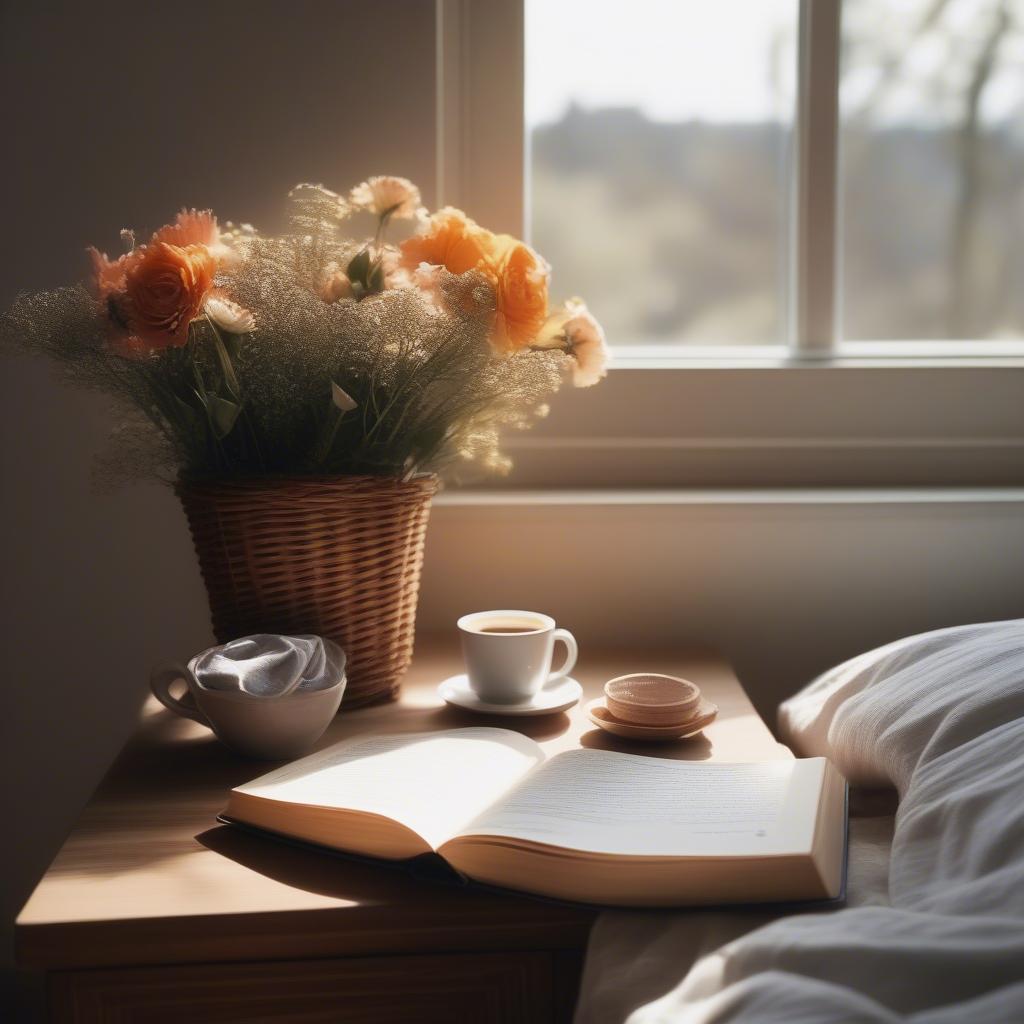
x=592 y=826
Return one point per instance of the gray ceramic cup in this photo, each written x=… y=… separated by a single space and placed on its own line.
x=267 y=725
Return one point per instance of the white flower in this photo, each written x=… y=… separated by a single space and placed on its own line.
x=387 y=196
x=427 y=278
x=228 y=315
x=395 y=275
x=235 y=234
x=585 y=342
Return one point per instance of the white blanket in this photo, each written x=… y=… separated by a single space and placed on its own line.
x=939 y=940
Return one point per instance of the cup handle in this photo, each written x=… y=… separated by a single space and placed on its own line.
x=572 y=652
x=162 y=678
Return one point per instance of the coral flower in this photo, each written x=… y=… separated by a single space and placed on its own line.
x=108 y=275
x=165 y=288
x=521 y=295
x=450 y=240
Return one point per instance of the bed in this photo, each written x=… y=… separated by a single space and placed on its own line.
x=929 y=731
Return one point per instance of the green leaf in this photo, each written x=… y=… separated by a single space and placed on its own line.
x=189 y=412
x=375 y=281
x=233 y=344
x=359 y=267
x=223 y=415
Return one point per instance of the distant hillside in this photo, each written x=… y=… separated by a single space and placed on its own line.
x=678 y=231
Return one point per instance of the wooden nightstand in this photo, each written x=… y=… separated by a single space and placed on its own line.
x=153 y=911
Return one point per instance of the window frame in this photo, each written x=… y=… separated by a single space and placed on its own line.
x=935 y=413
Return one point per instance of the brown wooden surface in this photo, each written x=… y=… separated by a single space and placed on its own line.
x=486 y=988
x=147 y=876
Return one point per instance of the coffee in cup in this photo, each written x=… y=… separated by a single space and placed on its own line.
x=508 y=653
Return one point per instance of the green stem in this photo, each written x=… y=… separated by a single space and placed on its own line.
x=231 y=380
x=218 y=449
x=226 y=367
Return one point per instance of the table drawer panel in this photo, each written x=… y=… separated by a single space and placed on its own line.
x=493 y=987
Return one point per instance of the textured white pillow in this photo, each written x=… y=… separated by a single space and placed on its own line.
x=874 y=715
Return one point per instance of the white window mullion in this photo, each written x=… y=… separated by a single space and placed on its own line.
x=816 y=207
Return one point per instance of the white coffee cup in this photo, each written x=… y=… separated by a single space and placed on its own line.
x=508 y=653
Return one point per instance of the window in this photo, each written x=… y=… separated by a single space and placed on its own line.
x=659 y=164
x=932 y=170
x=661 y=159
x=781 y=314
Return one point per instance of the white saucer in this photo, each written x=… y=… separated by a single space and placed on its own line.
x=557 y=696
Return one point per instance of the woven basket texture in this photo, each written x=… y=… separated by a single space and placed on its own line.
x=337 y=556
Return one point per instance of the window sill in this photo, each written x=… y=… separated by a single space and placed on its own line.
x=792 y=424
x=855 y=355
x=764 y=496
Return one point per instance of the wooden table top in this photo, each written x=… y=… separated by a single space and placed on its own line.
x=148 y=876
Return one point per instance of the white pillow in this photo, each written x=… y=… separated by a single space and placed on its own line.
x=874 y=715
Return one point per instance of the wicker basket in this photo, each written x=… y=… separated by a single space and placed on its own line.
x=337 y=556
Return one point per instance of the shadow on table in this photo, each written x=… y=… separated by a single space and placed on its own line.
x=696 y=748
x=425 y=883
x=189 y=756
x=537 y=727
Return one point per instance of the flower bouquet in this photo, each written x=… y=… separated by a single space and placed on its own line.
x=304 y=392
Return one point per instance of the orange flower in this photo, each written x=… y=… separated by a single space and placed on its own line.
x=450 y=240
x=165 y=286
x=520 y=277
x=521 y=295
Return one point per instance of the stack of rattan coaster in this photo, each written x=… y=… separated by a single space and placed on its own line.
x=650 y=706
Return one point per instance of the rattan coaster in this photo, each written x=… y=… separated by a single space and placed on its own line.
x=651 y=699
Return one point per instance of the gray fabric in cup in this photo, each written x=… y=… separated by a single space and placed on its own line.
x=270 y=665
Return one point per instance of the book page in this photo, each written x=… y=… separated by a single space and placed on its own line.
x=433 y=782
x=623 y=804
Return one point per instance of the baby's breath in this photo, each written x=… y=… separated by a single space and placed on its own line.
x=428 y=392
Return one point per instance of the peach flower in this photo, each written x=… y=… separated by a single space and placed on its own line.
x=450 y=240
x=582 y=338
x=165 y=288
x=521 y=295
x=335 y=285
x=589 y=348
x=388 y=196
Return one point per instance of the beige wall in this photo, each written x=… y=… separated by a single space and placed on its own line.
x=113 y=119
x=784 y=584
x=116 y=114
